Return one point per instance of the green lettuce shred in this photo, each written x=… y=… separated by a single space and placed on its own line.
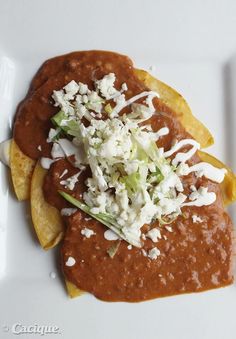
x=104 y=218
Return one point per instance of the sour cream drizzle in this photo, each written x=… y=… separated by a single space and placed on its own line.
x=202 y=168
x=161 y=132
x=209 y=171
x=182 y=157
x=126 y=103
x=204 y=199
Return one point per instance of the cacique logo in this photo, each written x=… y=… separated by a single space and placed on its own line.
x=19 y=329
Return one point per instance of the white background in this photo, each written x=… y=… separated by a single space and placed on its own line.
x=192 y=45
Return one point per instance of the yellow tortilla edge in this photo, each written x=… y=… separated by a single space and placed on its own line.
x=46 y=219
x=72 y=290
x=21 y=167
x=180 y=107
x=228 y=186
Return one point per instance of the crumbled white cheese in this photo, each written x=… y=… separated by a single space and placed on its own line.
x=85 y=99
x=39 y=148
x=57 y=151
x=120 y=100
x=71 y=181
x=172 y=204
x=129 y=247
x=169 y=228
x=46 y=162
x=68 y=211
x=80 y=109
x=154 y=253
x=182 y=169
x=154 y=234
x=144 y=252
x=70 y=262
x=58 y=97
x=110 y=235
x=71 y=89
x=171 y=181
x=124 y=87
x=62 y=100
x=196 y=218
x=106 y=86
x=132 y=181
x=87 y=232
x=132 y=166
x=83 y=88
x=94 y=102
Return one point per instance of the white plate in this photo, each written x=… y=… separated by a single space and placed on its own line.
x=192 y=45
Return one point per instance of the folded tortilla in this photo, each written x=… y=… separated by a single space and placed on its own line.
x=21 y=171
x=47 y=220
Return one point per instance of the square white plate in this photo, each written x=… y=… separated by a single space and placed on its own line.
x=192 y=46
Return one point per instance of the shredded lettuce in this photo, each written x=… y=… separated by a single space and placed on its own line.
x=132 y=182
x=59 y=132
x=58 y=118
x=155 y=177
x=113 y=249
x=105 y=219
x=69 y=126
x=137 y=152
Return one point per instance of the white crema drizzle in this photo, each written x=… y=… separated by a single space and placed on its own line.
x=208 y=171
x=182 y=157
x=125 y=103
x=203 y=198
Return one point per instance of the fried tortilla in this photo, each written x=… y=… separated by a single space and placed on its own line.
x=46 y=218
x=21 y=171
x=202 y=249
